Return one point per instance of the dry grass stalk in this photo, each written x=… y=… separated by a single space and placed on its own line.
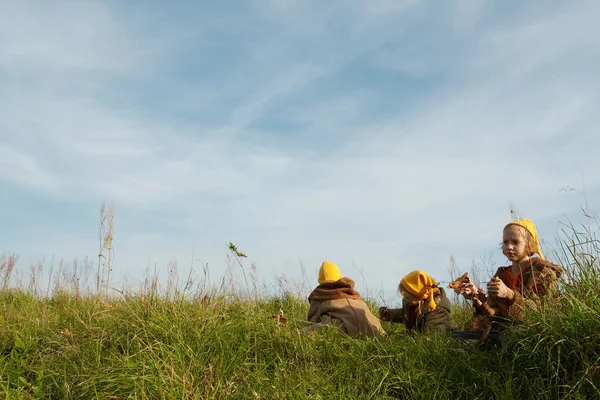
x=7 y=266
x=105 y=253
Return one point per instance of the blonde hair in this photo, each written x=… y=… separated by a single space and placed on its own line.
x=410 y=298
x=406 y=294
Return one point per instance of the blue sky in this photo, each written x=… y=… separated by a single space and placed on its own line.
x=383 y=135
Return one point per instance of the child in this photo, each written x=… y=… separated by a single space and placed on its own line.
x=424 y=305
x=335 y=303
x=528 y=277
x=514 y=287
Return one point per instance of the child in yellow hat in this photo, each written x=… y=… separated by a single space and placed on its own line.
x=335 y=303
x=515 y=286
x=527 y=277
x=425 y=306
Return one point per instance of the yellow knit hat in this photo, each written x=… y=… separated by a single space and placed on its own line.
x=422 y=286
x=329 y=272
x=530 y=227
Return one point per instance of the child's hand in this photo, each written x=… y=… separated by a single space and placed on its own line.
x=497 y=289
x=384 y=313
x=463 y=286
x=468 y=290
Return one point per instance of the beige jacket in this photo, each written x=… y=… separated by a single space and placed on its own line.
x=338 y=304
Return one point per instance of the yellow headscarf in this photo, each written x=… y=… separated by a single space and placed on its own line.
x=329 y=272
x=530 y=227
x=422 y=286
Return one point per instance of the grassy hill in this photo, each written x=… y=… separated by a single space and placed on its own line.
x=226 y=344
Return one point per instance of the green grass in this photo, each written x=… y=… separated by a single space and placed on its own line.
x=139 y=347
x=145 y=346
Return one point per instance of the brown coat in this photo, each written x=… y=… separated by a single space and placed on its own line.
x=338 y=304
x=538 y=278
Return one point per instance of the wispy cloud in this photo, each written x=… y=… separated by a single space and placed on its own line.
x=386 y=134
x=22 y=169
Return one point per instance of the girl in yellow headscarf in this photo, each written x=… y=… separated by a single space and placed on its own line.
x=527 y=277
x=515 y=286
x=425 y=306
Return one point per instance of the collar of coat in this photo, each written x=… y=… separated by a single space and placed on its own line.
x=340 y=289
x=536 y=264
x=422 y=305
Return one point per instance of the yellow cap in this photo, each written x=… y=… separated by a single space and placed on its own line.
x=329 y=272
x=530 y=227
x=422 y=286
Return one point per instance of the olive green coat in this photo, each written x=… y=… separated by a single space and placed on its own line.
x=438 y=320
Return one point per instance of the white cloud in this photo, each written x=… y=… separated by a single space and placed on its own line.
x=22 y=169
x=398 y=193
x=72 y=35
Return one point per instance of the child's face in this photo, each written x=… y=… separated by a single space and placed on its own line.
x=410 y=299
x=514 y=243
